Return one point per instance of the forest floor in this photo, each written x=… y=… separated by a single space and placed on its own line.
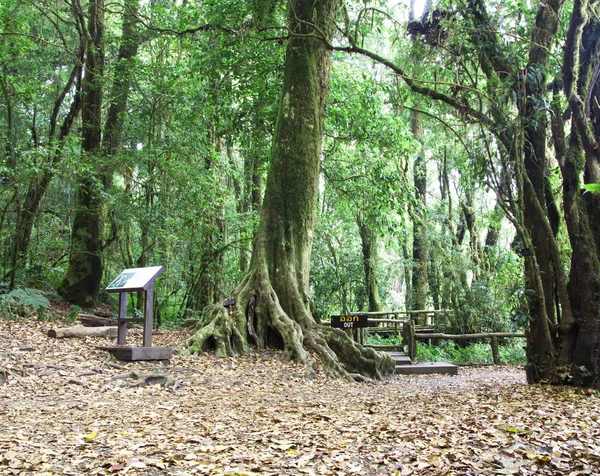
x=63 y=411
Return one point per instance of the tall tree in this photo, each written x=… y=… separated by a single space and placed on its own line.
x=579 y=334
x=418 y=288
x=81 y=283
x=272 y=301
x=91 y=204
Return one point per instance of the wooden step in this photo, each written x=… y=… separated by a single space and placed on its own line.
x=427 y=368
x=405 y=360
x=400 y=357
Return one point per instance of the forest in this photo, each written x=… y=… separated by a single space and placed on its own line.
x=309 y=158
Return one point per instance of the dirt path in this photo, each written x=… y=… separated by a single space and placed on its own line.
x=63 y=412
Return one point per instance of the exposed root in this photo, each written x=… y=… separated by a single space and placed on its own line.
x=331 y=364
x=218 y=330
x=144 y=379
x=342 y=357
x=227 y=331
x=290 y=331
x=251 y=314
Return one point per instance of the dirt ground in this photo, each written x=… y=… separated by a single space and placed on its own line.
x=68 y=409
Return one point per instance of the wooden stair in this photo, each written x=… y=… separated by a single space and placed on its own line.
x=404 y=366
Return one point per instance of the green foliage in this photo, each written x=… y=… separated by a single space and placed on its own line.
x=23 y=302
x=201 y=112
x=480 y=301
x=511 y=350
x=476 y=353
x=592 y=187
x=378 y=339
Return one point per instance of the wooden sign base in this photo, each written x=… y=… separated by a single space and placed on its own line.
x=134 y=354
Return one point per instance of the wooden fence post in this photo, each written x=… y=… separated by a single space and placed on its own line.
x=412 y=350
x=408 y=339
x=495 y=350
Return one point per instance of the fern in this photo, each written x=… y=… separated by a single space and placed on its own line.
x=27 y=297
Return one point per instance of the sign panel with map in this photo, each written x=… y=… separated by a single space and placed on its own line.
x=135 y=279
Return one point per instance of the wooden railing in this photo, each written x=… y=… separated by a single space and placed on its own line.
x=409 y=338
x=407 y=324
x=432 y=319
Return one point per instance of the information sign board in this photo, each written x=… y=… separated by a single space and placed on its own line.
x=135 y=279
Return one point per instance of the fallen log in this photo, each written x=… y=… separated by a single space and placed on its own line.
x=81 y=331
x=89 y=320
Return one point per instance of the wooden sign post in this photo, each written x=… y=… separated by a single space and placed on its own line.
x=134 y=280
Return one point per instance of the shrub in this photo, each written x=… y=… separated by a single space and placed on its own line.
x=478 y=353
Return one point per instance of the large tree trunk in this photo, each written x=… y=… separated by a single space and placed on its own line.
x=252 y=199
x=539 y=267
x=579 y=344
x=272 y=302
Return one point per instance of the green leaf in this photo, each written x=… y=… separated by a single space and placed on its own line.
x=592 y=187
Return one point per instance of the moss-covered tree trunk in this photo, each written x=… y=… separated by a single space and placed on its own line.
x=579 y=337
x=81 y=283
x=420 y=249
x=541 y=267
x=273 y=306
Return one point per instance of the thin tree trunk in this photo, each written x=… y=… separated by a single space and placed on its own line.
x=37 y=188
x=420 y=247
x=369 y=258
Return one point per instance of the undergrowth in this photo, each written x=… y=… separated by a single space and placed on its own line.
x=511 y=351
x=477 y=353
x=23 y=302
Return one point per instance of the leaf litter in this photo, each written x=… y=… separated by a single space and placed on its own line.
x=66 y=408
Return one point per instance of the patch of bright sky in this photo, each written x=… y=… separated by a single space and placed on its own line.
x=419 y=6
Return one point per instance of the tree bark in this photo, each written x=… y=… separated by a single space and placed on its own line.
x=279 y=270
x=579 y=344
x=88 y=320
x=541 y=358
